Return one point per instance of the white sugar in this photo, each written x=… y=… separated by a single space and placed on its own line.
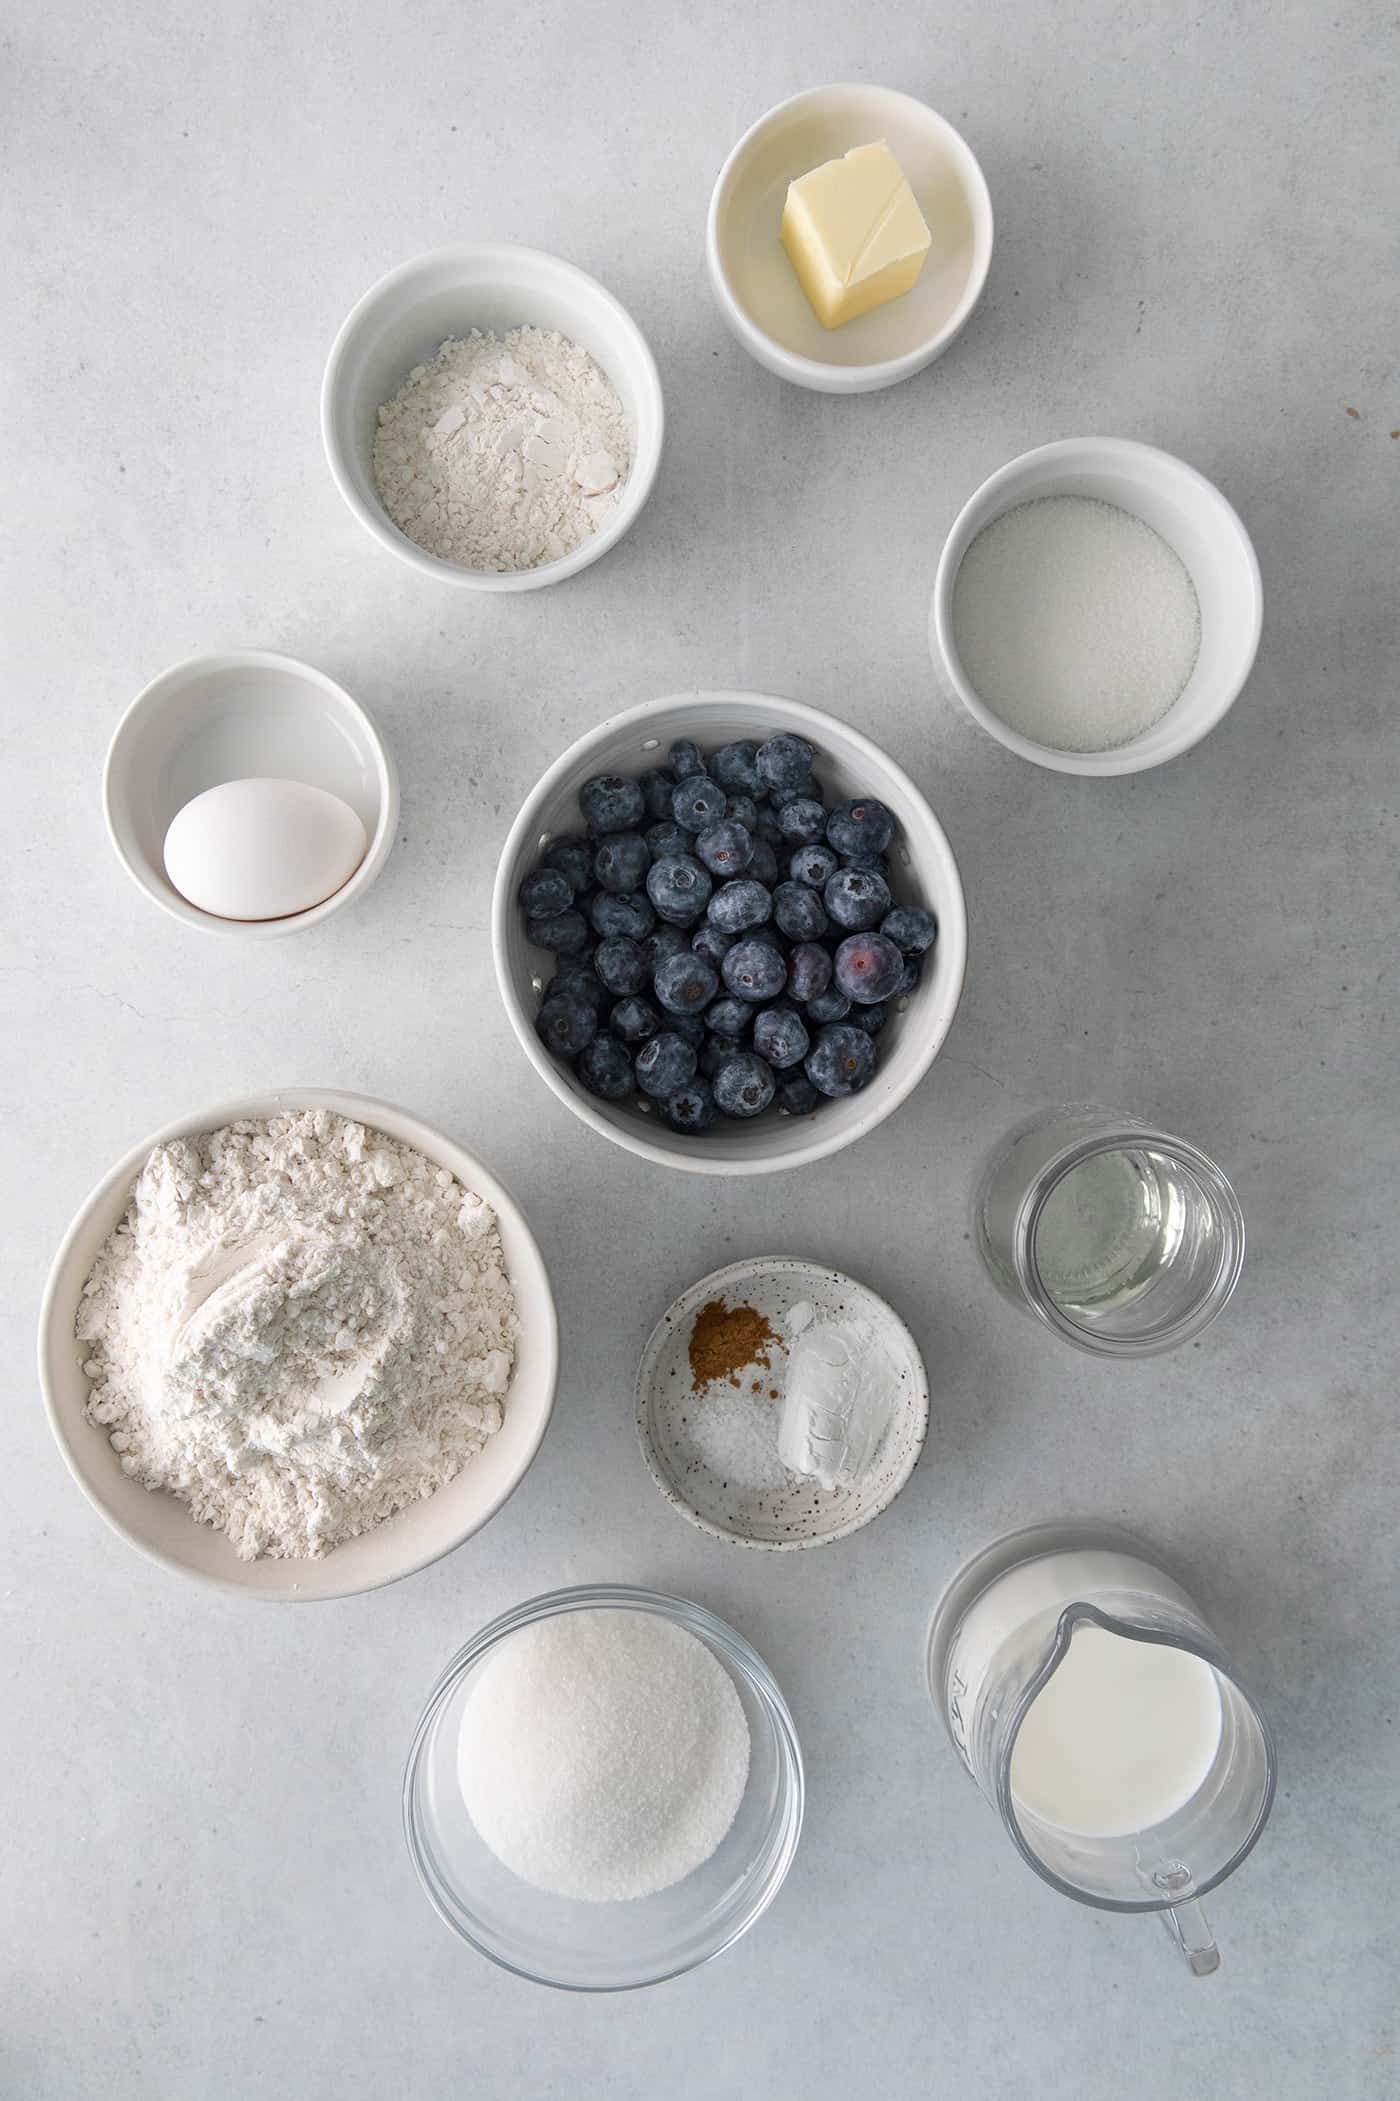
x=1075 y=622
x=603 y=1753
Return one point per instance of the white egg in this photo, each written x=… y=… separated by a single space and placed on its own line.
x=263 y=849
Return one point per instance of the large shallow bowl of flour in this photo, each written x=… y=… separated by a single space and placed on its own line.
x=161 y=1526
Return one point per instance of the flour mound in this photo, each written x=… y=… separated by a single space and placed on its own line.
x=503 y=452
x=299 y=1327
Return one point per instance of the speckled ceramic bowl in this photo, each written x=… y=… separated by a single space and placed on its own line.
x=723 y=1473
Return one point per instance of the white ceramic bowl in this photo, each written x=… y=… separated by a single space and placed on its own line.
x=162 y=1527
x=755 y=284
x=1192 y=517
x=242 y=715
x=771 y=1509
x=924 y=872
x=404 y=319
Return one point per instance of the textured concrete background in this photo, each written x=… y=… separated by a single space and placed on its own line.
x=206 y=1891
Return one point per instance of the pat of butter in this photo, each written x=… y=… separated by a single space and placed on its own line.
x=854 y=233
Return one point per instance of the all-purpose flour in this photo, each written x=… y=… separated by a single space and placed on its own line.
x=503 y=452
x=299 y=1327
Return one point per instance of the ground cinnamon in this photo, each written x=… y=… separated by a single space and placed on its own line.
x=726 y=1340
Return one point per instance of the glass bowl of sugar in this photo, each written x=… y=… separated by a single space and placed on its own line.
x=605 y=1789
x=1097 y=606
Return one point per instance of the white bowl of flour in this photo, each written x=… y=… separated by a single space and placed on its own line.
x=493 y=416
x=426 y=1392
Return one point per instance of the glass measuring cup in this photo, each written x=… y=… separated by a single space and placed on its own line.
x=1003 y=1635
x=1121 y=1239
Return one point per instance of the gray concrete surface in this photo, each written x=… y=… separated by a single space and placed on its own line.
x=205 y=1890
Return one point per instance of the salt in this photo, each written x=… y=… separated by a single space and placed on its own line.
x=1075 y=622
x=603 y=1753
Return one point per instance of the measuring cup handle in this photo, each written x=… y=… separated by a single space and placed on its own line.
x=1186 y=1923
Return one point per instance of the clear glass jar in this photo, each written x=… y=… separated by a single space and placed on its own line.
x=1121 y=1239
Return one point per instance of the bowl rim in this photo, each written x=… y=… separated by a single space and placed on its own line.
x=717 y=1282
x=1155 y=462
x=53 y=1327
x=952 y=935
x=738 y=1653
x=387 y=774
x=793 y=364
x=374 y=518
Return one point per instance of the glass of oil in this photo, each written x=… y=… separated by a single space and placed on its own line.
x=1122 y=1239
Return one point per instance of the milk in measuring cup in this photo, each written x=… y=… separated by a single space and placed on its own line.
x=1125 y=1731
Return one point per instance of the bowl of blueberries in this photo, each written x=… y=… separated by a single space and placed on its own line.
x=729 y=932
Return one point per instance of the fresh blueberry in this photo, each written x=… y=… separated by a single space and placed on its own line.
x=667 y=839
x=611 y=803
x=856 y=898
x=764 y=865
x=734 y=767
x=691 y=1110
x=665 y=1064
x=572 y=855
x=831 y=1005
x=809 y=972
x=621 y=862
x=875 y=864
x=620 y=965
x=841 y=1061
x=713 y=1052
x=605 y=1069
x=685 y=984
x=710 y=942
x=785 y=762
x=563 y=933
x=768 y=826
x=868 y=968
x=744 y=1085
x=872 y=1019
x=545 y=892
x=697 y=802
x=663 y=941
x=814 y=865
x=634 y=1020
x=656 y=785
x=909 y=980
x=796 y=1094
x=611 y=915
x=802 y=820
x=689 y=1027
x=742 y=809
x=911 y=929
x=574 y=978
x=754 y=971
x=778 y=1036
x=769 y=933
x=566 y=1025
x=739 y=905
x=798 y=911
x=861 y=827
x=684 y=758
x=730 y=1018
x=726 y=848
x=679 y=888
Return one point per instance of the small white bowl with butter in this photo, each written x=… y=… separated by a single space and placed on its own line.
x=249 y=794
x=755 y=283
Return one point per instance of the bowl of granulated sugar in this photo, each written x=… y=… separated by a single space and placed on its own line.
x=1097 y=606
x=493 y=416
x=605 y=1789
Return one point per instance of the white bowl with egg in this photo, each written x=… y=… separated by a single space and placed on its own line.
x=162 y=1527
x=248 y=715
x=755 y=286
x=924 y=873
x=403 y=320
x=1197 y=523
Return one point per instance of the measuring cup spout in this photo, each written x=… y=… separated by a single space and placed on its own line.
x=1187 y=1925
